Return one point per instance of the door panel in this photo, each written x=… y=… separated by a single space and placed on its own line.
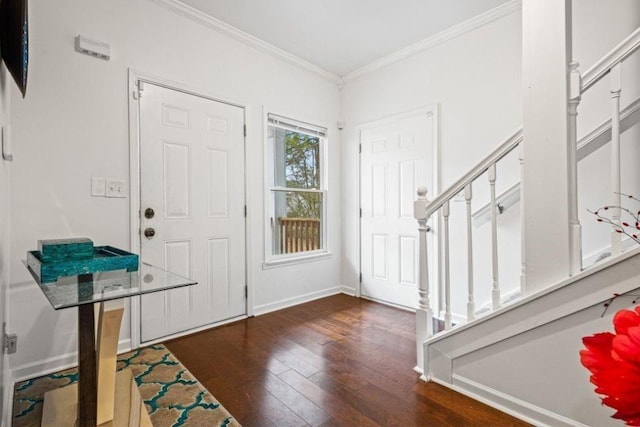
x=396 y=157
x=192 y=176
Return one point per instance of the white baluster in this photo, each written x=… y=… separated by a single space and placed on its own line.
x=424 y=314
x=495 y=292
x=471 y=305
x=614 y=76
x=523 y=278
x=575 y=230
x=447 y=276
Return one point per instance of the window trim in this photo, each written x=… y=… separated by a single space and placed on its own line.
x=272 y=260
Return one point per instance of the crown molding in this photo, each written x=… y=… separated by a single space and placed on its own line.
x=443 y=36
x=202 y=18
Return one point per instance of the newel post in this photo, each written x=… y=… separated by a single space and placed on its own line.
x=424 y=315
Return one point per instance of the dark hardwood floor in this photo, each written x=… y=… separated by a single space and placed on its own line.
x=338 y=361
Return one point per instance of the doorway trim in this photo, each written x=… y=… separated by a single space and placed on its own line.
x=134 y=77
x=431 y=110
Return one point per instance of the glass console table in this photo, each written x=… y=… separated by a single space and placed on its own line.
x=101 y=397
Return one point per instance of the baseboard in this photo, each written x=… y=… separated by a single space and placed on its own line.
x=509 y=404
x=55 y=364
x=348 y=290
x=193 y=331
x=290 y=302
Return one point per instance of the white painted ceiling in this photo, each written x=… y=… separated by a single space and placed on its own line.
x=342 y=35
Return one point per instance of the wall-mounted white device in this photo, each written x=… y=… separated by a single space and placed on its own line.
x=94 y=48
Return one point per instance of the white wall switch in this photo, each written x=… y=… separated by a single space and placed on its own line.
x=98 y=188
x=116 y=188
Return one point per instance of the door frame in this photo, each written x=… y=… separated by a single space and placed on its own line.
x=431 y=110
x=135 y=192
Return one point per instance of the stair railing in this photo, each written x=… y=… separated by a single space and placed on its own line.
x=423 y=210
x=611 y=65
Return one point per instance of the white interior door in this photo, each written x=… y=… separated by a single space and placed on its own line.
x=192 y=177
x=397 y=156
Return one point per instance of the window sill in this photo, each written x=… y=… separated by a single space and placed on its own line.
x=292 y=260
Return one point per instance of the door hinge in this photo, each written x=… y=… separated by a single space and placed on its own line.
x=245 y=129
x=360 y=212
x=360 y=277
x=359 y=148
x=9 y=341
x=246 y=291
x=245 y=211
x=137 y=93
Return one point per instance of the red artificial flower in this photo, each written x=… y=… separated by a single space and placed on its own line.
x=614 y=363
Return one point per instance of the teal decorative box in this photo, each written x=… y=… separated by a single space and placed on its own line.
x=104 y=258
x=65 y=249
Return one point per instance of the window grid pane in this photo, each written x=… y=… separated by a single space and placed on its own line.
x=296 y=193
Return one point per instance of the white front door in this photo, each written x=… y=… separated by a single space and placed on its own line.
x=192 y=201
x=397 y=156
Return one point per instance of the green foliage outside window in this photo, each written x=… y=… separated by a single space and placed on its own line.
x=302 y=170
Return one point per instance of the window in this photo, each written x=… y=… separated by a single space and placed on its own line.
x=296 y=189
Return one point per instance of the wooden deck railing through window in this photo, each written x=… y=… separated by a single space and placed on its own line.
x=299 y=234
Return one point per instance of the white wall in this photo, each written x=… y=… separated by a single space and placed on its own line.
x=476 y=80
x=74 y=125
x=4 y=231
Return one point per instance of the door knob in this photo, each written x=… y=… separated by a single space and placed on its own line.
x=149 y=232
x=149 y=213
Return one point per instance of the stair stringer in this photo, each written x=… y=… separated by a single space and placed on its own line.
x=556 y=312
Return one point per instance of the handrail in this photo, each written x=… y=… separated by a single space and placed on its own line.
x=587 y=145
x=602 y=134
x=618 y=54
x=498 y=153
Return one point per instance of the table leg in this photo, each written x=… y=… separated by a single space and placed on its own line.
x=109 y=320
x=87 y=381
x=101 y=396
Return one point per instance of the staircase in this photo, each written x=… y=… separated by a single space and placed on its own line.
x=520 y=352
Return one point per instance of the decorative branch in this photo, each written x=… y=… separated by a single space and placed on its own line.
x=630 y=227
x=610 y=301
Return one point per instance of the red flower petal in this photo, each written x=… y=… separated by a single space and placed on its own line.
x=614 y=363
x=627 y=346
x=625 y=319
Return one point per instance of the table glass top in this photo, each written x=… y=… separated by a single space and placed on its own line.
x=73 y=291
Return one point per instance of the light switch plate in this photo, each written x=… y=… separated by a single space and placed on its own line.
x=116 y=188
x=98 y=187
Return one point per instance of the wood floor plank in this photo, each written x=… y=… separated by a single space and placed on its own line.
x=341 y=411
x=304 y=408
x=337 y=361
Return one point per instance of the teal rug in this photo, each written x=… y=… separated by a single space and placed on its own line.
x=172 y=396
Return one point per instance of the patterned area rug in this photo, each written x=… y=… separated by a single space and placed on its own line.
x=173 y=397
